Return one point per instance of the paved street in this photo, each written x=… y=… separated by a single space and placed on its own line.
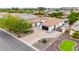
x=9 y=43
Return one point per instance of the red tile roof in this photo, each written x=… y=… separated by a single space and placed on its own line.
x=35 y=20
x=52 y=21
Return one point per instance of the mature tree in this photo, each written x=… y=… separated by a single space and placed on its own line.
x=15 y=24
x=56 y=14
x=39 y=11
x=73 y=16
x=17 y=10
x=41 y=8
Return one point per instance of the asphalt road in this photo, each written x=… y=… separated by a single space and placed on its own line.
x=9 y=43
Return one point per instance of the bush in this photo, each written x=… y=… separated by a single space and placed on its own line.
x=75 y=35
x=44 y=41
x=56 y=14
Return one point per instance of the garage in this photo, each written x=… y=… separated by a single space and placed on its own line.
x=45 y=28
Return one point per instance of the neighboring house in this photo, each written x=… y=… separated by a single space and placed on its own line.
x=28 y=16
x=65 y=14
x=25 y=15
x=74 y=28
x=2 y=14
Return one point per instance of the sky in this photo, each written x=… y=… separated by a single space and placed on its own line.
x=38 y=3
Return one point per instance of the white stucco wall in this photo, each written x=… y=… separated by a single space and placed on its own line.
x=40 y=27
x=50 y=28
x=56 y=26
x=33 y=25
x=60 y=24
x=63 y=30
x=38 y=24
x=71 y=32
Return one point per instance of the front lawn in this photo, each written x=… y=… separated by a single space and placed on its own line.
x=67 y=45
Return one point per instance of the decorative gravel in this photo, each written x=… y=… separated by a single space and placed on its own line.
x=42 y=46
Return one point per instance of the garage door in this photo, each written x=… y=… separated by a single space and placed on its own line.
x=45 y=28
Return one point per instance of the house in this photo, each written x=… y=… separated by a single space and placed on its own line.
x=74 y=28
x=50 y=24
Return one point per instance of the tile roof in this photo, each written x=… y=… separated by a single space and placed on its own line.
x=36 y=20
x=52 y=21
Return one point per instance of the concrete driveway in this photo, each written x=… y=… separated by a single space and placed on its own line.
x=39 y=34
x=9 y=43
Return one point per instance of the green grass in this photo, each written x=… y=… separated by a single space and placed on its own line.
x=67 y=45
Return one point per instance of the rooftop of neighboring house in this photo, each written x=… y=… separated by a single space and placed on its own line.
x=25 y=15
x=66 y=12
x=2 y=14
x=50 y=21
x=75 y=26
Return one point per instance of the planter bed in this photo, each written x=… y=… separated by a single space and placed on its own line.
x=18 y=34
x=41 y=45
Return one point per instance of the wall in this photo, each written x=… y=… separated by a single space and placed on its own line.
x=60 y=24
x=50 y=28
x=37 y=24
x=71 y=32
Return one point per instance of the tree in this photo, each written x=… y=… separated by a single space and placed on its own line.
x=56 y=14
x=75 y=35
x=17 y=10
x=73 y=16
x=40 y=11
x=15 y=24
x=41 y=8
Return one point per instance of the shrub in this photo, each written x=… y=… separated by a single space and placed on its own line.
x=44 y=41
x=75 y=35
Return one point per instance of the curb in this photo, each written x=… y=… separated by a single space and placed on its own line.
x=19 y=39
